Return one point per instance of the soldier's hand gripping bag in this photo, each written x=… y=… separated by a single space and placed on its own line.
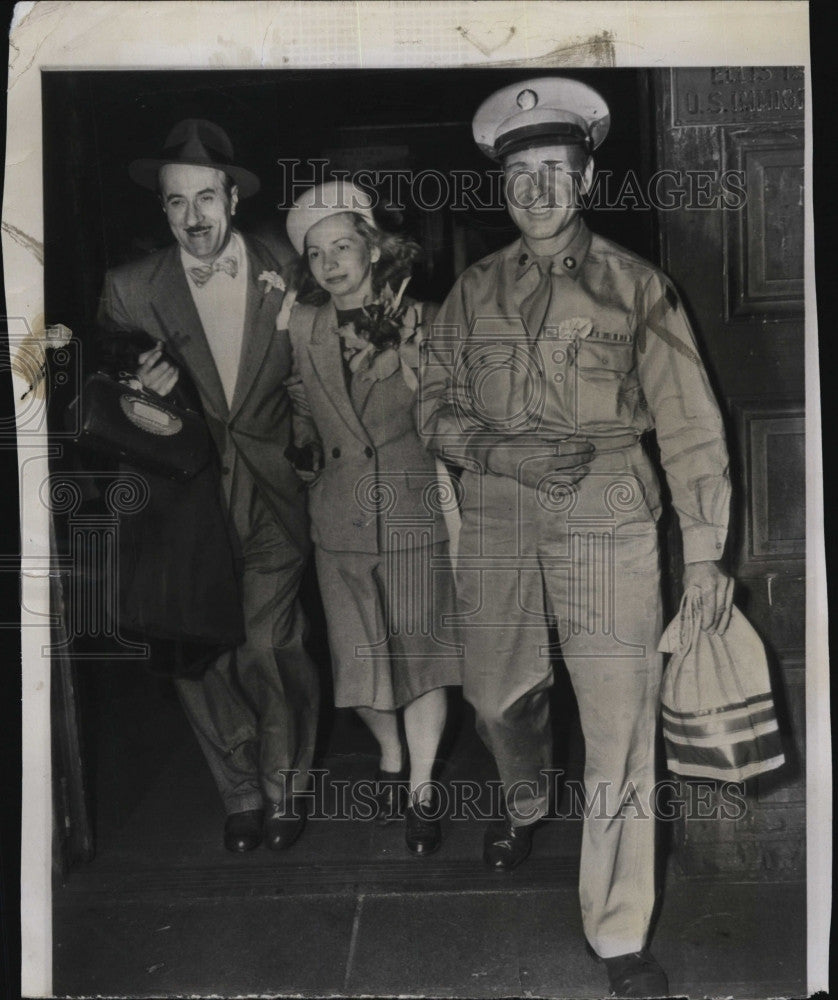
x=716 y=704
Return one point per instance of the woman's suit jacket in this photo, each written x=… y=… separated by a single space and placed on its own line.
x=378 y=489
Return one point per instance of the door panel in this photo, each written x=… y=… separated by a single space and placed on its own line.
x=734 y=248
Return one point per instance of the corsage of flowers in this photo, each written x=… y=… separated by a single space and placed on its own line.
x=383 y=338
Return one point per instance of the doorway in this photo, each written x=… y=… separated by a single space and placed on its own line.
x=140 y=834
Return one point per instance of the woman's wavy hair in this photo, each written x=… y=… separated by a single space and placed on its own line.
x=398 y=254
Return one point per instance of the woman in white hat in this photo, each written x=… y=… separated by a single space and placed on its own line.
x=374 y=499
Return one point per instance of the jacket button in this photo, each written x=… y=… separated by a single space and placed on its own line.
x=569 y=263
x=368 y=451
x=225 y=470
x=335 y=452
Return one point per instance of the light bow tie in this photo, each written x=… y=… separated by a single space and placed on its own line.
x=201 y=275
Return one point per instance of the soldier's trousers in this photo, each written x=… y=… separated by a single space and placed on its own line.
x=586 y=560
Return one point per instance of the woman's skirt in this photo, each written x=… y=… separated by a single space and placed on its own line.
x=389 y=622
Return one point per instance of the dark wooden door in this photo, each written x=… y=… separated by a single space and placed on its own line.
x=732 y=138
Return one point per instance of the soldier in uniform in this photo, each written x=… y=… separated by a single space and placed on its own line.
x=548 y=362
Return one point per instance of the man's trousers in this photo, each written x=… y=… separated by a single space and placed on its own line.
x=254 y=710
x=585 y=559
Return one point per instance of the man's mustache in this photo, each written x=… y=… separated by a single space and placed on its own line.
x=194 y=230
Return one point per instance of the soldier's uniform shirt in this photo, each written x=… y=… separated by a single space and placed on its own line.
x=612 y=357
x=615 y=356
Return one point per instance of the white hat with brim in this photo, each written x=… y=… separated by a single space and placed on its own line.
x=545 y=111
x=321 y=202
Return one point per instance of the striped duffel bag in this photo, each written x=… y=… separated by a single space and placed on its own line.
x=716 y=704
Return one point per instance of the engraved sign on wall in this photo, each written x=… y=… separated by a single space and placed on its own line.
x=737 y=95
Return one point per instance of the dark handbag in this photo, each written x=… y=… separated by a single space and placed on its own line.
x=140 y=428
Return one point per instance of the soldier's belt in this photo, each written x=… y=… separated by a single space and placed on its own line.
x=606 y=444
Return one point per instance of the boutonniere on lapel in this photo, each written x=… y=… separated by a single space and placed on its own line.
x=272 y=280
x=380 y=340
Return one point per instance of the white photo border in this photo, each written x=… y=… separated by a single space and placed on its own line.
x=307 y=34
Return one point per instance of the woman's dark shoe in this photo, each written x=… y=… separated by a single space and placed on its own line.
x=390 y=794
x=422 y=829
x=506 y=846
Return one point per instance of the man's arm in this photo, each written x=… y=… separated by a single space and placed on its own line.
x=443 y=421
x=449 y=428
x=691 y=438
x=117 y=335
x=304 y=431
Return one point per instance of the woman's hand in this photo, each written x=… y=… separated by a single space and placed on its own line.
x=307 y=460
x=308 y=477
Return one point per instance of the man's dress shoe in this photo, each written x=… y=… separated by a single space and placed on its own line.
x=390 y=793
x=505 y=846
x=636 y=975
x=283 y=824
x=243 y=830
x=422 y=829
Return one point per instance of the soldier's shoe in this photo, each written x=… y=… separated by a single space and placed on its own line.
x=506 y=846
x=637 y=974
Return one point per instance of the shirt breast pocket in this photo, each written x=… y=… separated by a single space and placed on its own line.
x=607 y=361
x=607 y=388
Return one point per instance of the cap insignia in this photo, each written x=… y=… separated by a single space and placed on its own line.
x=527 y=99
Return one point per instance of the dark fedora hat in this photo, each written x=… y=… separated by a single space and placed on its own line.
x=198 y=143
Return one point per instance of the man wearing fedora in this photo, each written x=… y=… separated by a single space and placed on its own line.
x=209 y=304
x=549 y=360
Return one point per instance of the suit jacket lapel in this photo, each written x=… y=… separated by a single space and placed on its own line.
x=326 y=360
x=175 y=309
x=259 y=323
x=361 y=388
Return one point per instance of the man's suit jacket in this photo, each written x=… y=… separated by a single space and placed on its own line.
x=152 y=295
x=377 y=490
